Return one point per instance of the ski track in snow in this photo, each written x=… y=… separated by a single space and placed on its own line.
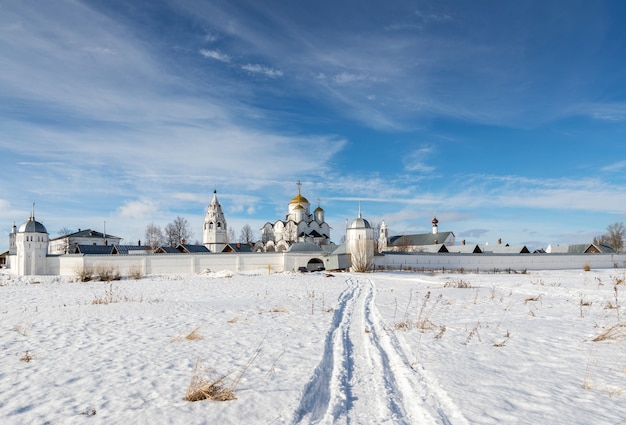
x=365 y=375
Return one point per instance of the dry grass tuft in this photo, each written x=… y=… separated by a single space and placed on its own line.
x=191 y=336
x=27 y=357
x=536 y=298
x=279 y=310
x=203 y=387
x=616 y=332
x=587 y=267
x=21 y=329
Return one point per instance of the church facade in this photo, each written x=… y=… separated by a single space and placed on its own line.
x=299 y=225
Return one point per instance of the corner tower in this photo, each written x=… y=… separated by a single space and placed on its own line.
x=31 y=247
x=214 y=230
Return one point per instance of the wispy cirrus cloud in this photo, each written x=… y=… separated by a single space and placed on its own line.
x=262 y=69
x=416 y=160
x=616 y=166
x=215 y=54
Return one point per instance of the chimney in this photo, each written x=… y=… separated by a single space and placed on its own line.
x=436 y=241
x=139 y=243
x=499 y=241
x=463 y=242
x=182 y=242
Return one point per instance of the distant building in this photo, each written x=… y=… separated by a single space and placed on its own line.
x=583 y=248
x=67 y=244
x=299 y=225
x=414 y=242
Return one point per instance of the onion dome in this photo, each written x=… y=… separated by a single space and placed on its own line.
x=299 y=199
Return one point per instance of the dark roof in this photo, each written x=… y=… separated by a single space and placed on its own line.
x=505 y=249
x=166 y=250
x=93 y=249
x=418 y=239
x=192 y=249
x=87 y=233
x=237 y=247
x=583 y=248
x=126 y=249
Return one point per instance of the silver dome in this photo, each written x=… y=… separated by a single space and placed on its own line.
x=32 y=226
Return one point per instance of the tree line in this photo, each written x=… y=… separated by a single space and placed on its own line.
x=179 y=231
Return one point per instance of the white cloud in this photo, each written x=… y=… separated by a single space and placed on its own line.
x=617 y=166
x=416 y=160
x=215 y=54
x=261 y=69
x=352 y=78
x=141 y=209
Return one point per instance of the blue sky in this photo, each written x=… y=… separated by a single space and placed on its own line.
x=507 y=119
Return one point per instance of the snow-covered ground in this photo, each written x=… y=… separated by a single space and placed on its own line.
x=398 y=348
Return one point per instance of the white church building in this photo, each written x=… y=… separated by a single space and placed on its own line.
x=299 y=225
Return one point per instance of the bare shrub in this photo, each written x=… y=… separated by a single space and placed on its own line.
x=84 y=273
x=459 y=283
x=111 y=295
x=135 y=272
x=107 y=273
x=587 y=267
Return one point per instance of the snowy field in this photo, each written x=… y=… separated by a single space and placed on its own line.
x=384 y=348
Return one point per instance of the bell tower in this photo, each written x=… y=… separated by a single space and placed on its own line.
x=214 y=230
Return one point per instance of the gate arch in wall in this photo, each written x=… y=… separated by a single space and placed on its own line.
x=315 y=264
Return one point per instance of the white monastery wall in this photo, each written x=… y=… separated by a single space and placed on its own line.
x=68 y=265
x=486 y=262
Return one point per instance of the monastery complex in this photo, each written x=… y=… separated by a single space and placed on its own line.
x=299 y=242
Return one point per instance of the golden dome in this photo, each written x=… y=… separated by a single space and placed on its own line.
x=299 y=199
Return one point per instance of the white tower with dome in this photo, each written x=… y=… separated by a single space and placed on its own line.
x=31 y=247
x=360 y=243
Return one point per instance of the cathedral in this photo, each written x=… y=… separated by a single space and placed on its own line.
x=299 y=225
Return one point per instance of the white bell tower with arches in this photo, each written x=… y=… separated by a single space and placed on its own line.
x=214 y=229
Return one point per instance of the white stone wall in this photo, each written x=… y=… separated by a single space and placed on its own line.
x=68 y=265
x=487 y=262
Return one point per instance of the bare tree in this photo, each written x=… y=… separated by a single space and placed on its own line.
x=247 y=235
x=403 y=244
x=154 y=236
x=615 y=236
x=178 y=231
x=362 y=257
x=230 y=236
x=65 y=244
